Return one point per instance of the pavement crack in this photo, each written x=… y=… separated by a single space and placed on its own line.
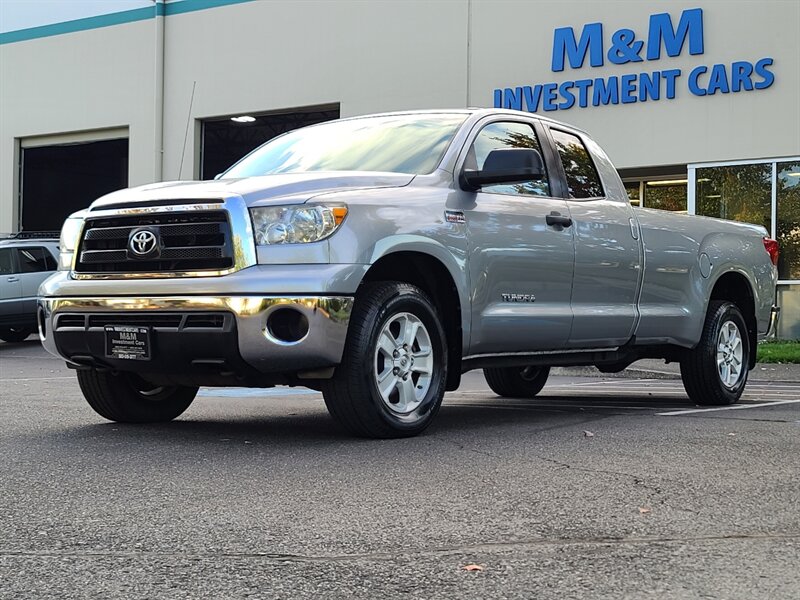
x=410 y=554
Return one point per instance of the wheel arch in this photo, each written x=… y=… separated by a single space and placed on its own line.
x=735 y=287
x=432 y=275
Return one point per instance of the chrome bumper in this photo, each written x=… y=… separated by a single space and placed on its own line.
x=320 y=347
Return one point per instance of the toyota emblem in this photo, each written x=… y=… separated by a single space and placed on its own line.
x=142 y=243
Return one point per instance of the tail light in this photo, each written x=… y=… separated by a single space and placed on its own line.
x=771 y=246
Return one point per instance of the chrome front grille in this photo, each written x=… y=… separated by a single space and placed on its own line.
x=187 y=241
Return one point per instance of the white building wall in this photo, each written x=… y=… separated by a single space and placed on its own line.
x=377 y=56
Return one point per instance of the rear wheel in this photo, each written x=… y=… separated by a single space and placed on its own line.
x=715 y=371
x=517 y=382
x=15 y=334
x=392 y=376
x=127 y=398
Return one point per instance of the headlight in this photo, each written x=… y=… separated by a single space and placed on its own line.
x=68 y=242
x=295 y=224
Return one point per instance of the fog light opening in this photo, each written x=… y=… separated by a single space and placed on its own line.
x=287 y=326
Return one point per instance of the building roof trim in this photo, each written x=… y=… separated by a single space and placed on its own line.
x=159 y=9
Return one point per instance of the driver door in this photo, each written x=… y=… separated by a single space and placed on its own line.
x=520 y=267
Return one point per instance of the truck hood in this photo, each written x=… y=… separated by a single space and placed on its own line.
x=288 y=188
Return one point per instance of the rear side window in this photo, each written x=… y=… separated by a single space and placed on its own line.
x=496 y=136
x=6 y=261
x=582 y=178
x=35 y=259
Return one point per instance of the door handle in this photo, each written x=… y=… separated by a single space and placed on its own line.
x=555 y=218
x=12 y=279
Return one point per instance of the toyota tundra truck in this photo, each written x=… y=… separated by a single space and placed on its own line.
x=378 y=258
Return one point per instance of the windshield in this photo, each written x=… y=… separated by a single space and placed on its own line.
x=411 y=144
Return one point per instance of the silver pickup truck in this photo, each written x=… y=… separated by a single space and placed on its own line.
x=378 y=258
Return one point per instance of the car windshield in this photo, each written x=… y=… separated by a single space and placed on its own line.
x=411 y=144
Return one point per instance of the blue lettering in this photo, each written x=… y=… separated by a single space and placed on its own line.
x=569 y=97
x=740 y=76
x=670 y=76
x=550 y=96
x=498 y=98
x=565 y=44
x=583 y=86
x=767 y=75
x=649 y=84
x=693 y=85
x=623 y=47
x=718 y=80
x=661 y=31
x=512 y=98
x=627 y=89
x=605 y=92
x=532 y=97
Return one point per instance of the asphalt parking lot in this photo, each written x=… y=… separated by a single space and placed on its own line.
x=600 y=488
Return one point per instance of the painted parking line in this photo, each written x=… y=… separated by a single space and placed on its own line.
x=253 y=392
x=734 y=407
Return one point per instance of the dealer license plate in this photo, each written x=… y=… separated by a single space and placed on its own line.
x=127 y=343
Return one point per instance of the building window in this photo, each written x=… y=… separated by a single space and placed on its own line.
x=669 y=194
x=736 y=192
x=787 y=195
x=663 y=194
x=634 y=192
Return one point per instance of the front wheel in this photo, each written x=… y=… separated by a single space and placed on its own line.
x=15 y=334
x=517 y=382
x=127 y=398
x=392 y=377
x=715 y=371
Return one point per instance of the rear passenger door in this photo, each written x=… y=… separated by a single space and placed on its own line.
x=607 y=250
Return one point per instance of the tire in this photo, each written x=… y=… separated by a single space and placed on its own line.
x=517 y=382
x=715 y=372
x=15 y=334
x=377 y=390
x=127 y=398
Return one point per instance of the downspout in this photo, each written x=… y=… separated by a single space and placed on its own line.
x=159 y=7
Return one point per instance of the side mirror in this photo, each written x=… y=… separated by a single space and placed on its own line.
x=506 y=165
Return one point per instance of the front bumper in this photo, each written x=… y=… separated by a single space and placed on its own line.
x=72 y=328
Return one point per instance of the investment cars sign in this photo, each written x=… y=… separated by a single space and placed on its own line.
x=625 y=48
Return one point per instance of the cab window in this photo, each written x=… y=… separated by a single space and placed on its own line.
x=496 y=136
x=582 y=178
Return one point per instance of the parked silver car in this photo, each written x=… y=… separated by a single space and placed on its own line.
x=377 y=258
x=26 y=260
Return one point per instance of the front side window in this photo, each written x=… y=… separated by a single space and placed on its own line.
x=413 y=144
x=35 y=260
x=497 y=136
x=582 y=178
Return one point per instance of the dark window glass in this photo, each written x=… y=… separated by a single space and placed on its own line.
x=34 y=260
x=788 y=225
x=497 y=136
x=738 y=192
x=6 y=261
x=582 y=178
